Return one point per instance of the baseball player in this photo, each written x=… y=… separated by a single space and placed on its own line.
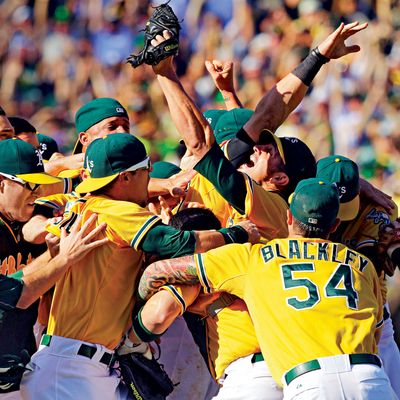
x=361 y=220
x=324 y=294
x=87 y=321
x=278 y=163
x=21 y=174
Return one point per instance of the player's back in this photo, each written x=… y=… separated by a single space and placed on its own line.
x=93 y=301
x=311 y=298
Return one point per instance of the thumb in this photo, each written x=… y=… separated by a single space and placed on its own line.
x=353 y=49
x=210 y=66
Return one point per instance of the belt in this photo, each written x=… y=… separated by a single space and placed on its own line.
x=257 y=357
x=84 y=350
x=314 y=365
x=386 y=314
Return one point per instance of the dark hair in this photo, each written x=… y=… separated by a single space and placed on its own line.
x=196 y=219
x=2 y=112
x=308 y=231
x=21 y=125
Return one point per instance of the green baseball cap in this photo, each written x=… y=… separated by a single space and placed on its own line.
x=212 y=116
x=344 y=172
x=94 y=112
x=315 y=202
x=164 y=170
x=105 y=158
x=21 y=160
x=229 y=123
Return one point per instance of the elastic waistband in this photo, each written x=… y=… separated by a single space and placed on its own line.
x=89 y=351
x=314 y=365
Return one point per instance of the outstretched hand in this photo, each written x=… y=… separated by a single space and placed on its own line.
x=334 y=45
x=82 y=239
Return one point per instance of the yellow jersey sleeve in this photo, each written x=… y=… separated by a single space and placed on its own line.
x=56 y=202
x=224 y=268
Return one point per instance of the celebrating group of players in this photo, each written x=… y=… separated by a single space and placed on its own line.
x=274 y=261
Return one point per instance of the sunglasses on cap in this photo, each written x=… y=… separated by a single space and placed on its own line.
x=143 y=165
x=27 y=185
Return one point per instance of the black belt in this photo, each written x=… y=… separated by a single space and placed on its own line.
x=386 y=314
x=84 y=350
x=257 y=357
x=314 y=365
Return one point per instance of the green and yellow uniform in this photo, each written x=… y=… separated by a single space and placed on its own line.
x=111 y=271
x=247 y=200
x=202 y=191
x=292 y=288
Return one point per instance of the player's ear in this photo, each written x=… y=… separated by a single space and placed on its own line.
x=2 y=179
x=335 y=225
x=289 y=217
x=279 y=179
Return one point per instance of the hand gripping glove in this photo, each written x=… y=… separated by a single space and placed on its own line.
x=141 y=373
x=163 y=18
x=11 y=369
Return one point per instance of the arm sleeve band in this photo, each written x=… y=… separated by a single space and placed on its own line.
x=141 y=331
x=234 y=234
x=309 y=67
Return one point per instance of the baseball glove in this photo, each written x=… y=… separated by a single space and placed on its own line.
x=163 y=18
x=145 y=379
x=11 y=369
x=389 y=234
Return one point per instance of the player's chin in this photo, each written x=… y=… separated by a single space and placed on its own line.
x=26 y=214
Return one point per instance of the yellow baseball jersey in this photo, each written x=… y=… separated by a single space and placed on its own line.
x=229 y=330
x=268 y=210
x=363 y=231
x=94 y=299
x=307 y=298
x=56 y=202
x=202 y=191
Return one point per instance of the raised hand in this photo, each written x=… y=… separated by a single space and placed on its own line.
x=222 y=74
x=334 y=45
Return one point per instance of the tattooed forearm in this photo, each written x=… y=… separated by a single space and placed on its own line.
x=160 y=273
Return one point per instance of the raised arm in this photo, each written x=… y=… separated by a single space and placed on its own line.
x=286 y=95
x=188 y=119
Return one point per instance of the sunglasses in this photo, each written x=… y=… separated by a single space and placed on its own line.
x=143 y=165
x=27 y=185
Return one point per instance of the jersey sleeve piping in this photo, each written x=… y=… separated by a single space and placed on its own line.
x=176 y=296
x=141 y=233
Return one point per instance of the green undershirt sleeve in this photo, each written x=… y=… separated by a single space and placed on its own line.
x=229 y=182
x=168 y=242
x=10 y=290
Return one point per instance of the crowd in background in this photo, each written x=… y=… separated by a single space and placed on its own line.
x=58 y=54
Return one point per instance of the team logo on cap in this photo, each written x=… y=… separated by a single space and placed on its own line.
x=342 y=191
x=119 y=109
x=39 y=153
x=89 y=164
x=313 y=221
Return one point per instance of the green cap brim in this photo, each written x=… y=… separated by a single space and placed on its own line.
x=92 y=184
x=348 y=211
x=39 y=178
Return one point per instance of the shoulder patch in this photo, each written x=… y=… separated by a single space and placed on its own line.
x=379 y=217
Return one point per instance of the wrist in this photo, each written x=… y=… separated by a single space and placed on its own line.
x=235 y=234
x=309 y=67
